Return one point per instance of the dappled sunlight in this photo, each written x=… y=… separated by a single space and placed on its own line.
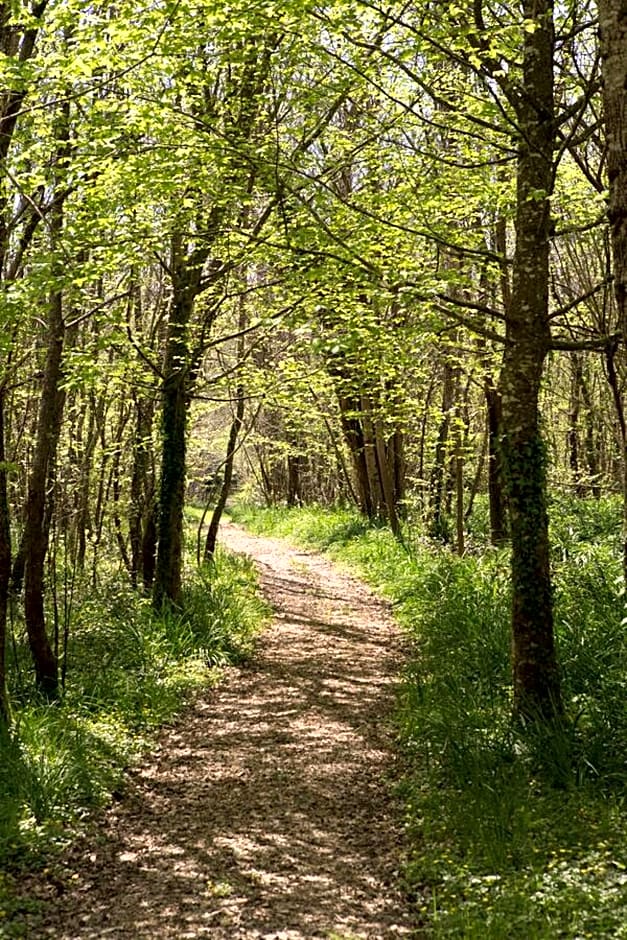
x=266 y=812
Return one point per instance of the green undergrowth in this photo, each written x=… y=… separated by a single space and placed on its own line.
x=510 y=833
x=128 y=671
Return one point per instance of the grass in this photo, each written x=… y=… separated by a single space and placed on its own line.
x=128 y=672
x=509 y=834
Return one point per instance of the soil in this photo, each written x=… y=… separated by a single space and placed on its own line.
x=267 y=810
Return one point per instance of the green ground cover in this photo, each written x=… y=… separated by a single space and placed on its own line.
x=510 y=833
x=128 y=671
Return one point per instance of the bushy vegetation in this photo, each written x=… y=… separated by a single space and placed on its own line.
x=511 y=832
x=129 y=671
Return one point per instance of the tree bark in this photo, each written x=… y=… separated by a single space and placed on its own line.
x=295 y=463
x=174 y=399
x=437 y=527
x=142 y=489
x=385 y=464
x=5 y=562
x=375 y=484
x=613 y=32
x=116 y=489
x=49 y=421
x=591 y=438
x=537 y=692
x=35 y=539
x=572 y=432
x=619 y=405
x=397 y=451
x=225 y=489
x=354 y=437
x=496 y=495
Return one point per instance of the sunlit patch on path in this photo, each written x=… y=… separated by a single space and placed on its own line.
x=266 y=812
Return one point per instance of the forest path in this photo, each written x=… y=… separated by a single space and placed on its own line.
x=266 y=811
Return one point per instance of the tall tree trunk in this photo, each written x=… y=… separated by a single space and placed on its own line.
x=572 y=433
x=225 y=489
x=385 y=455
x=236 y=427
x=613 y=30
x=35 y=538
x=437 y=526
x=142 y=489
x=82 y=511
x=375 y=484
x=180 y=366
x=496 y=494
x=458 y=457
x=397 y=449
x=619 y=405
x=295 y=464
x=422 y=442
x=591 y=438
x=149 y=545
x=49 y=421
x=101 y=487
x=174 y=397
x=116 y=447
x=343 y=471
x=264 y=474
x=460 y=544
x=536 y=678
x=354 y=437
x=5 y=562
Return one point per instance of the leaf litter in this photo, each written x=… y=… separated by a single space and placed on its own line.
x=267 y=810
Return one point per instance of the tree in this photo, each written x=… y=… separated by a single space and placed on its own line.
x=507 y=64
x=613 y=32
x=49 y=421
x=232 y=94
x=17 y=46
x=528 y=340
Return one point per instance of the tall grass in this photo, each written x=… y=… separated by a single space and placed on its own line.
x=510 y=832
x=128 y=671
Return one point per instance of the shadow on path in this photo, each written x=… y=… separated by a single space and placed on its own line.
x=266 y=812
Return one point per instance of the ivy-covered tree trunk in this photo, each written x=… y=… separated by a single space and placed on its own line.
x=245 y=81
x=174 y=403
x=535 y=673
x=613 y=30
x=5 y=561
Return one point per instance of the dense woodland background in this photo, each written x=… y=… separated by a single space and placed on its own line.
x=342 y=253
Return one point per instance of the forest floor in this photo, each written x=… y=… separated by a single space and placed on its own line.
x=266 y=811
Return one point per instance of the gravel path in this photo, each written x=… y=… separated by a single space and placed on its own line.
x=266 y=812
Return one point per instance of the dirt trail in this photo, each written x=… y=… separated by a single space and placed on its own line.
x=266 y=812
